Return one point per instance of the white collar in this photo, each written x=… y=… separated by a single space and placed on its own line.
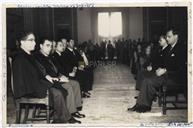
x=43 y=53
x=172 y=46
x=164 y=47
x=70 y=49
x=58 y=53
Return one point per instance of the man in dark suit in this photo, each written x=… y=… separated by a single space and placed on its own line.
x=50 y=71
x=57 y=58
x=74 y=64
x=103 y=49
x=161 y=53
x=173 y=71
x=110 y=51
x=27 y=81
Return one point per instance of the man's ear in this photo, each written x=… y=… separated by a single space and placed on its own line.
x=41 y=46
x=176 y=36
x=21 y=42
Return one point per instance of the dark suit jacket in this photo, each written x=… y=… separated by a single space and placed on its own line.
x=26 y=77
x=48 y=67
x=110 y=48
x=176 y=63
x=59 y=63
x=70 y=60
x=159 y=60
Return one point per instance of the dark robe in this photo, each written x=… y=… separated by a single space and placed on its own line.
x=175 y=64
x=46 y=62
x=26 y=77
x=48 y=68
x=28 y=82
x=142 y=72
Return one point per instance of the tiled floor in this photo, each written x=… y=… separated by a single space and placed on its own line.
x=113 y=92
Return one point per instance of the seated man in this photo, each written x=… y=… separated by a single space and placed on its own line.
x=75 y=69
x=28 y=83
x=50 y=72
x=173 y=72
x=57 y=57
x=58 y=62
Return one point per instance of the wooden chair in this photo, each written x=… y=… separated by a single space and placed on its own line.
x=171 y=90
x=30 y=101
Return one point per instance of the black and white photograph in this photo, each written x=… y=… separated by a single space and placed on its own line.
x=97 y=64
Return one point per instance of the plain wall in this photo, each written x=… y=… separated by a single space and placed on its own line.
x=136 y=23
x=84 y=24
x=87 y=22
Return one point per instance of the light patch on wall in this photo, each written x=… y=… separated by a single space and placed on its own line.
x=115 y=24
x=109 y=24
x=103 y=24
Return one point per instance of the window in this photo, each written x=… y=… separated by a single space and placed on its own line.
x=109 y=24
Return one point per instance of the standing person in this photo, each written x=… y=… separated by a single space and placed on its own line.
x=174 y=71
x=97 y=53
x=110 y=51
x=103 y=50
x=28 y=83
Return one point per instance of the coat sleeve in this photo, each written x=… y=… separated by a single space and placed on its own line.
x=180 y=70
x=18 y=66
x=39 y=65
x=21 y=77
x=67 y=63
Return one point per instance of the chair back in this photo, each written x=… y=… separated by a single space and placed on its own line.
x=11 y=74
x=11 y=69
x=12 y=84
x=27 y=101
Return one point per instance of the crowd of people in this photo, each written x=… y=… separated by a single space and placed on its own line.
x=120 y=50
x=67 y=71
